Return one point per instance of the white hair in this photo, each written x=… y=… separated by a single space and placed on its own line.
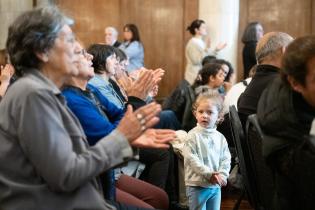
x=270 y=43
x=113 y=30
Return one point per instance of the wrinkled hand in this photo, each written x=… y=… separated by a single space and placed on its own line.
x=141 y=87
x=154 y=91
x=120 y=73
x=7 y=72
x=220 y=46
x=158 y=74
x=154 y=138
x=131 y=127
x=125 y=82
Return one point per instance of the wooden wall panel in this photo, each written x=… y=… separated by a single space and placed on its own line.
x=162 y=25
x=290 y=16
x=91 y=17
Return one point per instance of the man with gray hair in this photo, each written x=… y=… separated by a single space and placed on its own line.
x=269 y=53
x=111 y=35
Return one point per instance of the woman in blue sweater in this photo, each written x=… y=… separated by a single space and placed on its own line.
x=98 y=117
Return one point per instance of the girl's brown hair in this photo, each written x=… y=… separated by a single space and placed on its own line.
x=215 y=98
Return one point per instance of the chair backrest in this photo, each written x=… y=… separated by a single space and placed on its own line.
x=243 y=156
x=263 y=174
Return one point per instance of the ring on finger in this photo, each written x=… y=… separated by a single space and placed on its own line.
x=139 y=116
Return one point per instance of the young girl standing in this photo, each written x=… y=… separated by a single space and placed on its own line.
x=206 y=155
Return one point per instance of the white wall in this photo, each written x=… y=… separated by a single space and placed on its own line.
x=222 y=19
x=9 y=10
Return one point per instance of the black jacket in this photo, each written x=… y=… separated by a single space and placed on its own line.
x=248 y=100
x=249 y=57
x=180 y=102
x=286 y=119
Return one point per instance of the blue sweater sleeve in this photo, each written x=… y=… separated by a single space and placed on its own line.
x=94 y=124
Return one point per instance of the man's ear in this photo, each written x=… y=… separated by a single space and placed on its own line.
x=43 y=56
x=295 y=85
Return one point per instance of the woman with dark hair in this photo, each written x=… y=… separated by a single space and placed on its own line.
x=133 y=47
x=105 y=63
x=197 y=49
x=253 y=32
x=53 y=167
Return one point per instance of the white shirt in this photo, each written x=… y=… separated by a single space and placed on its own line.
x=205 y=151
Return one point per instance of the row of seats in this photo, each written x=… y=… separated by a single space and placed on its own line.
x=257 y=177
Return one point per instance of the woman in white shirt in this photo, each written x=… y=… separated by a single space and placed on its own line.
x=197 y=49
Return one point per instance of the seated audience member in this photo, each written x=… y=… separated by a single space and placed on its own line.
x=111 y=35
x=210 y=78
x=286 y=113
x=236 y=90
x=228 y=70
x=99 y=117
x=159 y=163
x=105 y=64
x=54 y=168
x=269 y=53
x=133 y=47
x=229 y=74
x=125 y=83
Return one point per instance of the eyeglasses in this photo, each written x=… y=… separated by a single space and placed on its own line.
x=83 y=52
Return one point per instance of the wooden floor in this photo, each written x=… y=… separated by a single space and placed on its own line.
x=229 y=198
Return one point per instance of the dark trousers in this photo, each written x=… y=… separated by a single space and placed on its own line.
x=160 y=170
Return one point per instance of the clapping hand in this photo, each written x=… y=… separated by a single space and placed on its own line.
x=134 y=126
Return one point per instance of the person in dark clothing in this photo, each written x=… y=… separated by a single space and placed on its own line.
x=286 y=113
x=269 y=54
x=253 y=32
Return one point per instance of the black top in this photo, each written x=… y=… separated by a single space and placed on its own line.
x=248 y=100
x=116 y=44
x=249 y=57
x=286 y=118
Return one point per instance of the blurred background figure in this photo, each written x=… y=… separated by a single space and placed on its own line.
x=111 y=35
x=253 y=32
x=197 y=49
x=133 y=47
